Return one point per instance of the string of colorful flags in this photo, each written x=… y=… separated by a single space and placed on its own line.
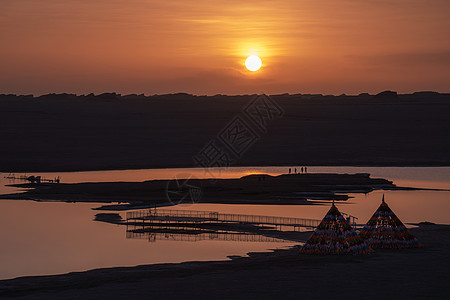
x=335 y=235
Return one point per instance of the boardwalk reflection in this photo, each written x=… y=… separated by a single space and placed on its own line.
x=153 y=234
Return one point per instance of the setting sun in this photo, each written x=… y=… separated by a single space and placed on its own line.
x=253 y=63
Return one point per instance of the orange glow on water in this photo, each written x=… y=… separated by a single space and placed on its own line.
x=68 y=239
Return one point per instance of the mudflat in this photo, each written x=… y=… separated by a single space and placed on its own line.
x=251 y=189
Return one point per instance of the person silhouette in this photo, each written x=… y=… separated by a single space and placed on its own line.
x=302 y=169
x=306 y=170
x=295 y=170
x=289 y=170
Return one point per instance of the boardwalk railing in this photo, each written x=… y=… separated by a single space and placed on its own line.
x=193 y=216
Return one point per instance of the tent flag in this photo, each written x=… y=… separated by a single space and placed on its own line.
x=334 y=235
x=385 y=230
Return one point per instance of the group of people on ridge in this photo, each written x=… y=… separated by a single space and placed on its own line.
x=302 y=169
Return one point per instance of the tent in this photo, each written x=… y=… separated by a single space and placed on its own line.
x=334 y=235
x=385 y=230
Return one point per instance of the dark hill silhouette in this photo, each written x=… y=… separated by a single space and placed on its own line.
x=387 y=95
x=110 y=131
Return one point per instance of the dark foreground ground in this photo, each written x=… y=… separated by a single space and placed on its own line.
x=386 y=274
x=65 y=132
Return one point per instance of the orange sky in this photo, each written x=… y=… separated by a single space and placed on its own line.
x=147 y=46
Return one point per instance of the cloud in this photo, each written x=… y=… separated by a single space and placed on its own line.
x=406 y=59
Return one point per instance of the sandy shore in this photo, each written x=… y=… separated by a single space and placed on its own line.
x=387 y=274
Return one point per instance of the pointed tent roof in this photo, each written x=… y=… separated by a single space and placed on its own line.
x=385 y=230
x=334 y=235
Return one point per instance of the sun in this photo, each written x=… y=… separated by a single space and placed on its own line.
x=253 y=63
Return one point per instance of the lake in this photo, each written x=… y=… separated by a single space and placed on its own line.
x=41 y=238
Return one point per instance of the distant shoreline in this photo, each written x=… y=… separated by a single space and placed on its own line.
x=152 y=167
x=255 y=189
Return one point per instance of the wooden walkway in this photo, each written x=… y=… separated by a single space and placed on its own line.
x=192 y=216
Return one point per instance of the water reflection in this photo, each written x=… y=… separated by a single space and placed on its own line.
x=48 y=238
x=52 y=238
x=152 y=234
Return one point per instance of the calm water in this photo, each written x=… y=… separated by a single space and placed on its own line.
x=49 y=238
